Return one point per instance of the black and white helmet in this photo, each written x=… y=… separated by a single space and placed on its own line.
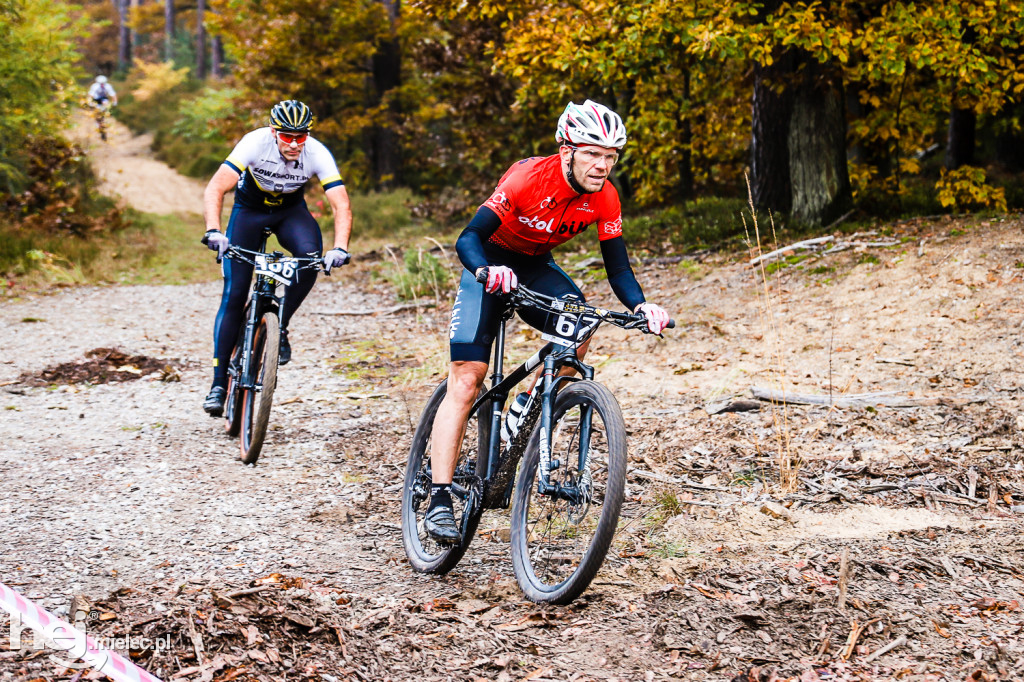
x=291 y=116
x=590 y=123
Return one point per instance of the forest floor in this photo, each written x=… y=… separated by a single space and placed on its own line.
x=877 y=539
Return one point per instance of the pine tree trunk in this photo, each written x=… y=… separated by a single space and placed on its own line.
x=960 y=138
x=201 y=40
x=817 y=148
x=168 y=30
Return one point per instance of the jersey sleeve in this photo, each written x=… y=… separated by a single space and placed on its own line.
x=245 y=153
x=609 y=221
x=506 y=193
x=324 y=165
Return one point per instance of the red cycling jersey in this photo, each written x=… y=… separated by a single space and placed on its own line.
x=539 y=210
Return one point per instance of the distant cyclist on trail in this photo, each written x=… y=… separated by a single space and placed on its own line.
x=101 y=93
x=538 y=204
x=270 y=167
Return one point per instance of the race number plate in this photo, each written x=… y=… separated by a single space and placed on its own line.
x=569 y=328
x=281 y=270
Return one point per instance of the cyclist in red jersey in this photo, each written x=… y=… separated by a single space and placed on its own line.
x=539 y=203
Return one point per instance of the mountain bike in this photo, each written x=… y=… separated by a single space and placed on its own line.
x=252 y=370
x=100 y=111
x=564 y=470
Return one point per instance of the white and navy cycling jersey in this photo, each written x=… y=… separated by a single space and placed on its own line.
x=100 y=92
x=268 y=180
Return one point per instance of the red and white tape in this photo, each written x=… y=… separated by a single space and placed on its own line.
x=71 y=640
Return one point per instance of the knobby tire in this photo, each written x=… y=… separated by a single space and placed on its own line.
x=555 y=554
x=255 y=406
x=425 y=555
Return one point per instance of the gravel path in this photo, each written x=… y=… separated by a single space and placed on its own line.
x=116 y=483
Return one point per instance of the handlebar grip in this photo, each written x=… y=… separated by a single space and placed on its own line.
x=481 y=276
x=671 y=324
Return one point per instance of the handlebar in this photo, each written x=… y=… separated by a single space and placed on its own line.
x=521 y=296
x=238 y=253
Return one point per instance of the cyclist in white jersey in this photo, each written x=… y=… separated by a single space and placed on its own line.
x=268 y=169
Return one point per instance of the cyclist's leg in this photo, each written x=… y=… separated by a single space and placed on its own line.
x=244 y=230
x=475 y=316
x=298 y=232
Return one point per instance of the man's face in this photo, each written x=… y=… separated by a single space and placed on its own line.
x=591 y=164
x=290 y=144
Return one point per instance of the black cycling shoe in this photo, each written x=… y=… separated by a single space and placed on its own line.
x=440 y=525
x=284 y=352
x=214 y=403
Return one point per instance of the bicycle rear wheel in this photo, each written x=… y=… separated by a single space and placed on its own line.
x=559 y=541
x=256 y=401
x=425 y=554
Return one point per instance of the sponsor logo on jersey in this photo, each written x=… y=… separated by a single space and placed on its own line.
x=613 y=226
x=550 y=202
x=500 y=201
x=542 y=225
x=585 y=208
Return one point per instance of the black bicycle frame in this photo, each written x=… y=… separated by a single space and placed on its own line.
x=552 y=356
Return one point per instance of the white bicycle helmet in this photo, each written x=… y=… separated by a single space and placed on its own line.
x=101 y=79
x=590 y=123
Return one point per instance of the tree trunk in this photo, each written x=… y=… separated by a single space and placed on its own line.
x=769 y=153
x=217 y=58
x=124 y=36
x=684 y=181
x=201 y=40
x=960 y=138
x=387 y=63
x=168 y=30
x=817 y=148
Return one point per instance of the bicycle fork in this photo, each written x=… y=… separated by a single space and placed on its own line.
x=580 y=492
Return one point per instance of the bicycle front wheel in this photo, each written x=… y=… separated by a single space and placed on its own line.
x=256 y=401
x=560 y=537
x=233 y=399
x=425 y=554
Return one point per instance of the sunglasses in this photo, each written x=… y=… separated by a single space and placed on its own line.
x=288 y=138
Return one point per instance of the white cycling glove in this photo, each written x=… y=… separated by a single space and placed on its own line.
x=216 y=241
x=335 y=258
x=500 y=279
x=657 y=317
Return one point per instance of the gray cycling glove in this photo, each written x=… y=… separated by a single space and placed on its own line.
x=335 y=258
x=216 y=241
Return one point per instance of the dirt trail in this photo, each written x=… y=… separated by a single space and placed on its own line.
x=126 y=168
x=717 y=573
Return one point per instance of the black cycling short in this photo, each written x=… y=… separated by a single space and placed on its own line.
x=298 y=232
x=476 y=313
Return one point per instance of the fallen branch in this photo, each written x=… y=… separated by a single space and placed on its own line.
x=887 y=398
x=844 y=577
x=898 y=642
x=378 y=311
x=805 y=244
x=856 y=630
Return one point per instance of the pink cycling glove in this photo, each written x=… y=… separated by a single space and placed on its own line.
x=500 y=279
x=657 y=317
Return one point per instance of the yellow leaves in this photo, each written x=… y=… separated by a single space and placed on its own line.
x=965 y=188
x=157 y=78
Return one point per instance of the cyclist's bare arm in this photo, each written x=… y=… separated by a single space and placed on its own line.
x=338 y=198
x=222 y=182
